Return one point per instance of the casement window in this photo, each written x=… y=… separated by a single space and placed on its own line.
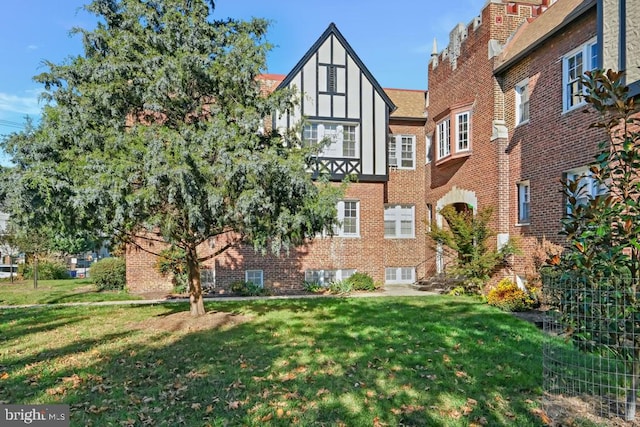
x=588 y=187
x=463 y=123
x=348 y=218
x=399 y=221
x=325 y=277
x=399 y=275
x=429 y=216
x=522 y=102
x=255 y=277
x=453 y=133
x=524 y=202
x=444 y=144
x=574 y=65
x=341 y=138
x=402 y=151
x=429 y=147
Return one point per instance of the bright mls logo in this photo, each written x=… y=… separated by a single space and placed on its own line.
x=35 y=415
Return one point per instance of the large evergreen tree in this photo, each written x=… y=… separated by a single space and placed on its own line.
x=155 y=131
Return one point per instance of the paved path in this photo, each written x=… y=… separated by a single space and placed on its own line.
x=389 y=291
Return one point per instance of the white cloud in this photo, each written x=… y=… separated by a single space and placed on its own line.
x=32 y=47
x=14 y=104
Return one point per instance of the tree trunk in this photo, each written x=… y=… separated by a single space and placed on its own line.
x=195 y=287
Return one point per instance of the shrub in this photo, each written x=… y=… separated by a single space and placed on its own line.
x=109 y=274
x=314 y=287
x=340 y=287
x=361 y=282
x=47 y=270
x=247 y=289
x=507 y=296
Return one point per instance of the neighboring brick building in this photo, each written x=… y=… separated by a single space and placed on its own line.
x=376 y=135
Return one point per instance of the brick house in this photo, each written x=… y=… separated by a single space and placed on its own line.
x=376 y=135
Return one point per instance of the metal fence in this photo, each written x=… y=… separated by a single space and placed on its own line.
x=594 y=350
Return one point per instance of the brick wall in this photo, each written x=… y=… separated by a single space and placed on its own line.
x=552 y=142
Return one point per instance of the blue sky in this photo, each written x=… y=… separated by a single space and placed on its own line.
x=393 y=38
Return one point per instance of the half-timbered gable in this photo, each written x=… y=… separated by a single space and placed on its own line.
x=341 y=105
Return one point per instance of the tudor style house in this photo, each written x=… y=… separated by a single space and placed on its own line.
x=375 y=136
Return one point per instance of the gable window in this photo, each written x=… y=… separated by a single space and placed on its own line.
x=332 y=79
x=522 y=102
x=399 y=275
x=574 y=65
x=444 y=145
x=462 y=131
x=588 y=187
x=341 y=138
x=255 y=277
x=402 y=152
x=399 y=221
x=348 y=218
x=523 y=202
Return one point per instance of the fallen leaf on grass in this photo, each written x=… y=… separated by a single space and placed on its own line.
x=542 y=415
x=4 y=376
x=266 y=418
x=233 y=405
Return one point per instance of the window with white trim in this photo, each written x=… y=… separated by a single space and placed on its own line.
x=255 y=277
x=444 y=144
x=524 y=202
x=348 y=218
x=399 y=221
x=574 y=65
x=325 y=277
x=588 y=187
x=341 y=138
x=399 y=275
x=463 y=123
x=429 y=147
x=522 y=102
x=402 y=151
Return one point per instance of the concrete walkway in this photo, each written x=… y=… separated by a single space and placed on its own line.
x=389 y=291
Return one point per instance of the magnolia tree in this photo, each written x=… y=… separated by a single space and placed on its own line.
x=155 y=132
x=603 y=250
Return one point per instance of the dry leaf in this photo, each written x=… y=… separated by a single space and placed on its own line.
x=4 y=376
x=233 y=405
x=266 y=418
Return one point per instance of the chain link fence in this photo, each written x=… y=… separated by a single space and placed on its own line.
x=594 y=352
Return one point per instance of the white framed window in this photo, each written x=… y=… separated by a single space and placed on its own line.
x=522 y=102
x=399 y=275
x=255 y=277
x=587 y=188
x=325 y=277
x=524 y=202
x=402 y=151
x=348 y=218
x=463 y=123
x=429 y=147
x=399 y=221
x=341 y=138
x=429 y=216
x=574 y=65
x=444 y=144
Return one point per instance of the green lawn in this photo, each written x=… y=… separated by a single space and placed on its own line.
x=436 y=361
x=56 y=291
